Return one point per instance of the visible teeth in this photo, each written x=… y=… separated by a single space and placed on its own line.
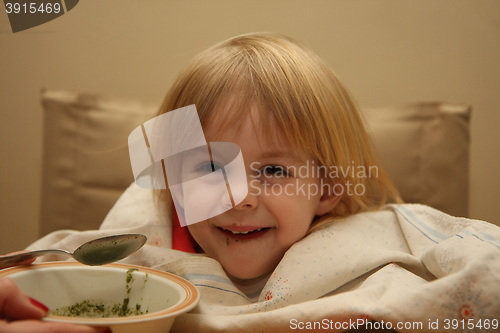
x=242 y=232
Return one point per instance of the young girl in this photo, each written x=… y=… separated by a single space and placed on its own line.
x=312 y=245
x=287 y=112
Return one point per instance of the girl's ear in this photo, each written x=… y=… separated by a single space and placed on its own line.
x=327 y=202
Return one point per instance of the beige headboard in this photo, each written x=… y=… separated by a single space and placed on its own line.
x=424 y=147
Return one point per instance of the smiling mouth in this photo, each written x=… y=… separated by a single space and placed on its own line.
x=244 y=234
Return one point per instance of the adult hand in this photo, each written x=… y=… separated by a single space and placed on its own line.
x=21 y=314
x=20 y=263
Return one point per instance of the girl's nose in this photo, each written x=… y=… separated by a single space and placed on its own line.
x=251 y=201
x=245 y=198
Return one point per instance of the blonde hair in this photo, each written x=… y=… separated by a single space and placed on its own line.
x=300 y=94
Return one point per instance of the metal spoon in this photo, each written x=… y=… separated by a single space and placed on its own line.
x=96 y=252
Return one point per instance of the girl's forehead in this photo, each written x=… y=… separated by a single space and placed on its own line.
x=229 y=122
x=238 y=113
x=252 y=132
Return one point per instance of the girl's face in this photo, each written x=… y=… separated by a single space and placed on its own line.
x=250 y=239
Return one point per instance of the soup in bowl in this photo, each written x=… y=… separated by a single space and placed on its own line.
x=123 y=297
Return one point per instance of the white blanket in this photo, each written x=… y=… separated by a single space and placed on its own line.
x=408 y=267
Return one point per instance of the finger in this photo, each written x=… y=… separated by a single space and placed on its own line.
x=37 y=326
x=14 y=304
x=19 y=263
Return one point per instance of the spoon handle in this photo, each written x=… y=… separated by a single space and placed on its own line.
x=10 y=260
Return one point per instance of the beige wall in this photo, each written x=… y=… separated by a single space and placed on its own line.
x=386 y=51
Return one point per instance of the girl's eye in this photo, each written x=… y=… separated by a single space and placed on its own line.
x=206 y=167
x=275 y=171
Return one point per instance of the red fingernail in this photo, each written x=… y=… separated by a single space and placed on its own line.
x=39 y=305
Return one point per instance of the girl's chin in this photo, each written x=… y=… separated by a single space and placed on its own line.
x=243 y=278
x=239 y=270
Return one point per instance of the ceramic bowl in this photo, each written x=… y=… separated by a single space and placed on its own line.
x=139 y=299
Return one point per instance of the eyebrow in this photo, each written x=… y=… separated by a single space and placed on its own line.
x=281 y=154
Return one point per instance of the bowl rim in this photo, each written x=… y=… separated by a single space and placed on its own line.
x=188 y=303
